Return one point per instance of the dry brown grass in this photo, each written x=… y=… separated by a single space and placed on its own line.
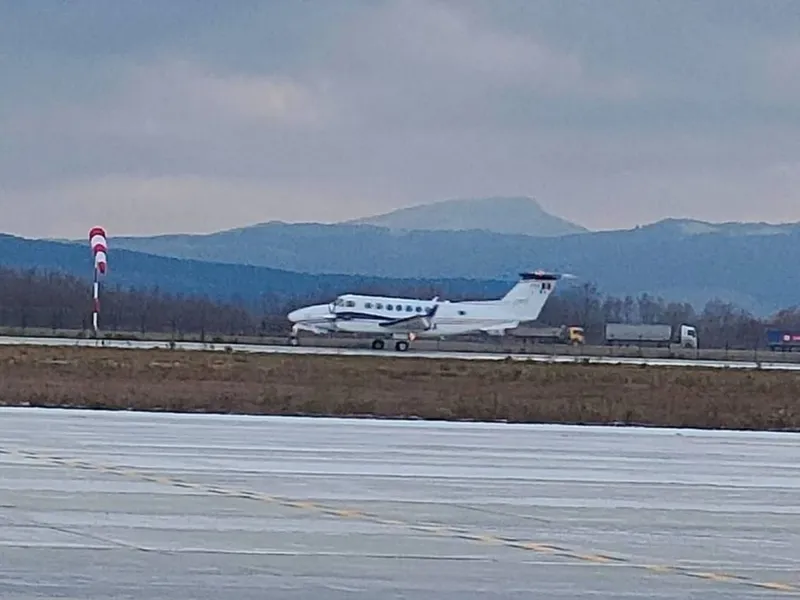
x=163 y=380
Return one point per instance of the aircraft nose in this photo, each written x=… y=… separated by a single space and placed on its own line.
x=308 y=313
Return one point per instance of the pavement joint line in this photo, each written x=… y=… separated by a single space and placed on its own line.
x=596 y=558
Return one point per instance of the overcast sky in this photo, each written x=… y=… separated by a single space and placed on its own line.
x=163 y=116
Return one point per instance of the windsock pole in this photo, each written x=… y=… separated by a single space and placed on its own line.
x=95 y=303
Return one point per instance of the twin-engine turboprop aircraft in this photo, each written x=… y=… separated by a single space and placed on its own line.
x=406 y=319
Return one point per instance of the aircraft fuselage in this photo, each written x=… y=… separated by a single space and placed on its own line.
x=413 y=318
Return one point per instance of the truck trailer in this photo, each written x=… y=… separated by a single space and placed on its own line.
x=783 y=340
x=660 y=335
x=566 y=334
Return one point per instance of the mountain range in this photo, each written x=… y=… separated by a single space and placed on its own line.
x=487 y=240
x=515 y=215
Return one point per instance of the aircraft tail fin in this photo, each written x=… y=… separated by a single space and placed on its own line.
x=528 y=296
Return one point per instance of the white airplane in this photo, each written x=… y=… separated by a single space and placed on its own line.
x=406 y=319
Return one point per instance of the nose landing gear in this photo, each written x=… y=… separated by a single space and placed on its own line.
x=294 y=339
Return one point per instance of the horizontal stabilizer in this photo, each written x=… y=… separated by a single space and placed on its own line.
x=540 y=275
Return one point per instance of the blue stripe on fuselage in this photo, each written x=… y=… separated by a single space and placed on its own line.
x=349 y=315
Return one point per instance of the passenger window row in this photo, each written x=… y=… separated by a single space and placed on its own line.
x=380 y=306
x=398 y=307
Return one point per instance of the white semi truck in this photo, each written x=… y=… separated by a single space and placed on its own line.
x=661 y=335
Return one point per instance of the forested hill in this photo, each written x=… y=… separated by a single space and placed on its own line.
x=248 y=284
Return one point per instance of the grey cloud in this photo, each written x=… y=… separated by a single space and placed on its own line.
x=610 y=113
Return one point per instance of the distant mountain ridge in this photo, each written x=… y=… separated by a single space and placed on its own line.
x=756 y=271
x=751 y=264
x=689 y=227
x=501 y=214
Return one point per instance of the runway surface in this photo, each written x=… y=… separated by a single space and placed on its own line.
x=133 y=505
x=272 y=349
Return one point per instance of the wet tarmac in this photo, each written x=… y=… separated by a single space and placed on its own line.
x=132 y=505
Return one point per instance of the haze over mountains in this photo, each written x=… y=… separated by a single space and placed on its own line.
x=514 y=215
x=490 y=240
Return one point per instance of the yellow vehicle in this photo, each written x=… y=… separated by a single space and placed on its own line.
x=566 y=334
x=575 y=336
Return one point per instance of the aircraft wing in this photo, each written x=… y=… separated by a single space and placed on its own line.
x=412 y=323
x=501 y=329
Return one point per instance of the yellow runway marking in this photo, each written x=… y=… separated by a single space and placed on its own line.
x=344 y=513
x=660 y=568
x=596 y=558
x=436 y=528
x=299 y=504
x=487 y=539
x=533 y=546
x=780 y=587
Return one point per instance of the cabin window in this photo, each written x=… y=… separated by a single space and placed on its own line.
x=379 y=306
x=409 y=308
x=368 y=305
x=418 y=309
x=350 y=303
x=462 y=313
x=389 y=307
x=399 y=307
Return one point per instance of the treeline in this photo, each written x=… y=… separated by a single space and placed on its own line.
x=719 y=324
x=33 y=300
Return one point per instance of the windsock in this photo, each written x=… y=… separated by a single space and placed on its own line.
x=97 y=240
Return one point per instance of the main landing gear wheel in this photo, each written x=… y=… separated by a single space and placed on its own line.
x=377 y=345
x=293 y=341
x=401 y=346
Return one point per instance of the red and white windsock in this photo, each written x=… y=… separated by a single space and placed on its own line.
x=97 y=240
